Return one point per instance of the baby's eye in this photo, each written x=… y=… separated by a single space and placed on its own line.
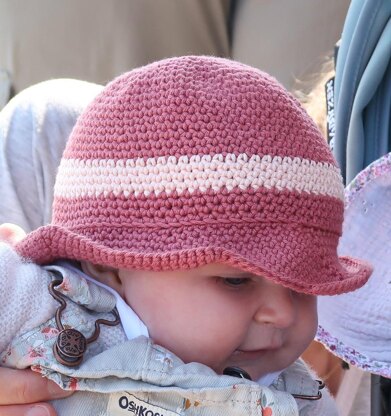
x=236 y=281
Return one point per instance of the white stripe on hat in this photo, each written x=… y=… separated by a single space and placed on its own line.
x=79 y=178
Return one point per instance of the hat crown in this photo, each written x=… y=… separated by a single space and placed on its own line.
x=193 y=125
x=195 y=106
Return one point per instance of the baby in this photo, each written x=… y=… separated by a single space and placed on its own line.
x=196 y=203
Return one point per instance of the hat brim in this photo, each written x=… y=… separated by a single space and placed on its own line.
x=301 y=258
x=356 y=326
x=354 y=356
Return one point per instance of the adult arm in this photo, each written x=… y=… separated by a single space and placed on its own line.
x=23 y=392
x=34 y=128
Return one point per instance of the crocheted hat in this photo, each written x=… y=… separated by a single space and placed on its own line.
x=196 y=160
x=357 y=326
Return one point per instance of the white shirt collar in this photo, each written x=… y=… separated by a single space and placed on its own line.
x=132 y=324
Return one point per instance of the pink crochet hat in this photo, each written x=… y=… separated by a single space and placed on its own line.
x=196 y=160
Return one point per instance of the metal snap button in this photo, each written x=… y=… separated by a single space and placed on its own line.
x=71 y=344
x=70 y=347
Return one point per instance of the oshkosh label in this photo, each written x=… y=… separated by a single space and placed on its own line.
x=126 y=404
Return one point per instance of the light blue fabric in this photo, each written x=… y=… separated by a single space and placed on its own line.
x=363 y=87
x=116 y=372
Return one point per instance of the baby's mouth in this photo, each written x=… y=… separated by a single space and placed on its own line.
x=251 y=354
x=254 y=352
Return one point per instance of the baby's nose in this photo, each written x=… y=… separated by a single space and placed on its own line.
x=276 y=306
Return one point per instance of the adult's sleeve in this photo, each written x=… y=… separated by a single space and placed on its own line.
x=34 y=129
x=25 y=302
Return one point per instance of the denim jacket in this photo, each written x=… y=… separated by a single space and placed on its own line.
x=139 y=378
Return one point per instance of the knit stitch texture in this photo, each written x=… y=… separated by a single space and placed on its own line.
x=195 y=160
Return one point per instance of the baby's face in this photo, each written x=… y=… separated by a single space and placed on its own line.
x=221 y=316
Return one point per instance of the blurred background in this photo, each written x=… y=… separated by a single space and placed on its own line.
x=95 y=40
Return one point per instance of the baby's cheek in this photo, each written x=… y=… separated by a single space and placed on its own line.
x=308 y=322
x=196 y=345
x=313 y=315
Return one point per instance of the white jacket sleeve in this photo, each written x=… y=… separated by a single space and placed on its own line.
x=34 y=128
x=24 y=298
